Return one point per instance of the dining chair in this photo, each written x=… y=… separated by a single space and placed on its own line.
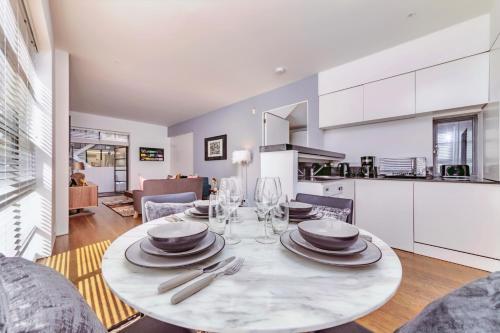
x=185 y=197
x=319 y=200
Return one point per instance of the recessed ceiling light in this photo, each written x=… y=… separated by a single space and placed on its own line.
x=411 y=15
x=280 y=70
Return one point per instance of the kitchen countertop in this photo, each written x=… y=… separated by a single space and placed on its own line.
x=472 y=180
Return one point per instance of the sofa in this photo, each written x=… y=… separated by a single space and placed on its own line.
x=168 y=186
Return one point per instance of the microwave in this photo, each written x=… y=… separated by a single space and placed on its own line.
x=410 y=167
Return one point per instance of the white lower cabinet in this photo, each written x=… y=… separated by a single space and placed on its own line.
x=459 y=217
x=385 y=208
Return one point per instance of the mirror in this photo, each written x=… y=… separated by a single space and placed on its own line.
x=286 y=124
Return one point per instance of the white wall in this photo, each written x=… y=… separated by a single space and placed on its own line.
x=104 y=177
x=141 y=135
x=182 y=150
x=61 y=141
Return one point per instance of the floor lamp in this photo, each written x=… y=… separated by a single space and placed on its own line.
x=242 y=158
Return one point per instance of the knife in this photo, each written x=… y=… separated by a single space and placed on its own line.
x=191 y=275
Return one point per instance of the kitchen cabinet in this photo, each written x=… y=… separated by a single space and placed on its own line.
x=455 y=84
x=339 y=188
x=341 y=107
x=385 y=208
x=390 y=98
x=491 y=120
x=460 y=217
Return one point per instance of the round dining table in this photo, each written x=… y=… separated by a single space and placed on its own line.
x=274 y=291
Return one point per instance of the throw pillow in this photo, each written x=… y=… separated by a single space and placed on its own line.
x=35 y=298
x=331 y=212
x=155 y=210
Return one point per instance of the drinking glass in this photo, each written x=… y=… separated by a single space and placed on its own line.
x=235 y=218
x=280 y=216
x=229 y=198
x=216 y=215
x=266 y=197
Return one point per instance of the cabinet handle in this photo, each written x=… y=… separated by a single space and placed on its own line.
x=341 y=188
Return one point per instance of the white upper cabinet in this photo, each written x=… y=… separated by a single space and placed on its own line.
x=455 y=42
x=341 y=107
x=390 y=98
x=459 y=83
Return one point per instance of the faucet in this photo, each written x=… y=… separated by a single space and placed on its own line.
x=314 y=173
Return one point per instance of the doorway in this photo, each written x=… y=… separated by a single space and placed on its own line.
x=105 y=157
x=286 y=124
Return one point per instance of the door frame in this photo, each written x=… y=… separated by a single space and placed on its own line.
x=263 y=119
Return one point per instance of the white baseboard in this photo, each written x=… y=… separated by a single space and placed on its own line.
x=461 y=258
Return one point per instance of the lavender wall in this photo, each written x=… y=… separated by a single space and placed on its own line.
x=244 y=129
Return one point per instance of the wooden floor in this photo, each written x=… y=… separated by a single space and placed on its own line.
x=424 y=279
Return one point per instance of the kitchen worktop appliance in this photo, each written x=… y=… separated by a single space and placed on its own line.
x=410 y=167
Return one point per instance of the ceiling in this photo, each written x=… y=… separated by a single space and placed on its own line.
x=167 y=61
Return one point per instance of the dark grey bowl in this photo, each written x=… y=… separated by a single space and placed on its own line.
x=202 y=206
x=329 y=234
x=177 y=237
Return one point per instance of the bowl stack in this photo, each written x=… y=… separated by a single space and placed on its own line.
x=172 y=245
x=300 y=211
x=199 y=211
x=331 y=241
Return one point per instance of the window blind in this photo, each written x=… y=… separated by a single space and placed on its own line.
x=17 y=152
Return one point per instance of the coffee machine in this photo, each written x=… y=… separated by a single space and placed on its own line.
x=368 y=166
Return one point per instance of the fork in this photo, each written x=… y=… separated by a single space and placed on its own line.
x=200 y=284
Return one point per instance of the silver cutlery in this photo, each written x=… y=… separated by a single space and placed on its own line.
x=191 y=275
x=200 y=284
x=173 y=218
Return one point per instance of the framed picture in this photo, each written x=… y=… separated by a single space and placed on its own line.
x=151 y=154
x=216 y=148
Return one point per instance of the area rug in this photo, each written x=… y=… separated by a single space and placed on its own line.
x=120 y=205
x=82 y=266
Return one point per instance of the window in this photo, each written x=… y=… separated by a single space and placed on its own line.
x=455 y=142
x=17 y=152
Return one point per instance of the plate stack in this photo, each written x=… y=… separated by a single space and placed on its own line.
x=331 y=242
x=199 y=211
x=175 y=245
x=300 y=211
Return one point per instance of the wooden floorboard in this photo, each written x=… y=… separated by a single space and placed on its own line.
x=424 y=279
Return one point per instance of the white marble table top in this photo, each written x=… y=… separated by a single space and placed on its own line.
x=275 y=291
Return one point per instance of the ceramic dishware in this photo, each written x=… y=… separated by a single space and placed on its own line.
x=202 y=206
x=177 y=237
x=298 y=208
x=359 y=246
x=329 y=234
x=203 y=245
x=136 y=256
x=371 y=255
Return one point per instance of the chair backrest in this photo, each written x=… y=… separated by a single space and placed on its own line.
x=334 y=202
x=185 y=197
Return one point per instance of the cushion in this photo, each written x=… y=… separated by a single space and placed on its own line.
x=472 y=308
x=155 y=210
x=35 y=298
x=330 y=212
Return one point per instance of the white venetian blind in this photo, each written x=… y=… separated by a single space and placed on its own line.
x=17 y=156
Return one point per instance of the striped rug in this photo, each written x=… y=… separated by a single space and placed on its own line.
x=82 y=266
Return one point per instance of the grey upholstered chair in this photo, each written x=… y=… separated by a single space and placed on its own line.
x=185 y=197
x=334 y=202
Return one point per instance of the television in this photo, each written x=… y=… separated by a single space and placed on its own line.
x=151 y=154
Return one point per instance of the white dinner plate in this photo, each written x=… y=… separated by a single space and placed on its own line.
x=196 y=215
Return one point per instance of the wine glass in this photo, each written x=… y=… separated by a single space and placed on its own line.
x=230 y=199
x=266 y=197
